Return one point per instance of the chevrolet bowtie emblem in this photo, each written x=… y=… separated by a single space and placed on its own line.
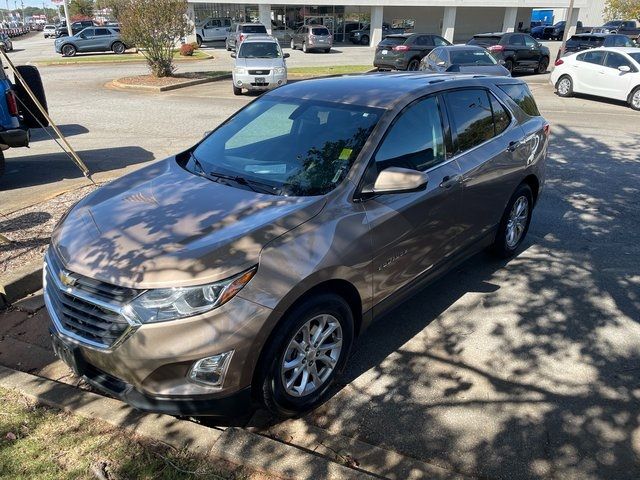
x=66 y=279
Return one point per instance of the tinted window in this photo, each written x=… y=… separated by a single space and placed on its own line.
x=415 y=140
x=615 y=60
x=391 y=41
x=439 y=41
x=501 y=118
x=618 y=41
x=294 y=146
x=484 y=41
x=529 y=41
x=423 y=40
x=102 y=31
x=517 y=40
x=471 y=57
x=592 y=57
x=520 y=93
x=472 y=117
x=87 y=32
x=254 y=29
x=635 y=56
x=259 y=50
x=321 y=32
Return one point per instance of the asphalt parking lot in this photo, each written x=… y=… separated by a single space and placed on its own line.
x=503 y=370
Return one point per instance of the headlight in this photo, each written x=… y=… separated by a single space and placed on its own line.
x=279 y=70
x=163 y=304
x=239 y=71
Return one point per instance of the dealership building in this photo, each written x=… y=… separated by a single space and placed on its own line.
x=456 y=20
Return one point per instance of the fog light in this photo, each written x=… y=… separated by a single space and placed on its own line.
x=210 y=371
x=279 y=82
x=239 y=82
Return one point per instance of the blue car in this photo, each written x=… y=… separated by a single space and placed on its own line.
x=92 y=39
x=17 y=111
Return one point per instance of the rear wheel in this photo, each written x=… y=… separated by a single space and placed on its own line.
x=508 y=64
x=515 y=222
x=304 y=47
x=33 y=118
x=1 y=163
x=634 y=99
x=564 y=87
x=293 y=45
x=199 y=40
x=118 y=48
x=543 y=64
x=413 y=65
x=309 y=347
x=68 y=50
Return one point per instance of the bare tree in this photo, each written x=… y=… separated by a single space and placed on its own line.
x=155 y=27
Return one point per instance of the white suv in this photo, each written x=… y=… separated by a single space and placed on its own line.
x=260 y=65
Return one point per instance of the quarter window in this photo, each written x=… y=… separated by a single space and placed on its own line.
x=439 y=41
x=415 y=140
x=501 y=118
x=520 y=93
x=472 y=117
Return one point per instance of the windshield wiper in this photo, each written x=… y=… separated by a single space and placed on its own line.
x=263 y=187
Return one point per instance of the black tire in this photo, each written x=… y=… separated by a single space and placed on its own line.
x=561 y=90
x=118 y=48
x=237 y=90
x=508 y=64
x=304 y=48
x=199 y=40
x=634 y=92
x=1 y=163
x=327 y=50
x=68 y=50
x=501 y=246
x=33 y=118
x=542 y=65
x=273 y=392
x=413 y=65
x=293 y=44
x=364 y=40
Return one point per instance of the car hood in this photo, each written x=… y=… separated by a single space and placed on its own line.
x=260 y=63
x=165 y=227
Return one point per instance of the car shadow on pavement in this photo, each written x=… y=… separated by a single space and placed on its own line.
x=68 y=130
x=520 y=369
x=33 y=170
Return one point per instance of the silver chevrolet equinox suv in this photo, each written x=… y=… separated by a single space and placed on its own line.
x=241 y=270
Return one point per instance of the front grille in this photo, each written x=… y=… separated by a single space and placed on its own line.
x=259 y=72
x=86 y=310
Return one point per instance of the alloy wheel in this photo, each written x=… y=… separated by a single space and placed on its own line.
x=312 y=355
x=635 y=99
x=517 y=222
x=564 y=87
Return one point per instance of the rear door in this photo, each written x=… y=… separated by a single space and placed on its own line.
x=516 y=45
x=103 y=39
x=486 y=145
x=589 y=66
x=412 y=232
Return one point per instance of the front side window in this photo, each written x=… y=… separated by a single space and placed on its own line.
x=259 y=50
x=615 y=60
x=415 y=140
x=87 y=32
x=517 y=40
x=287 y=146
x=472 y=117
x=530 y=41
x=424 y=40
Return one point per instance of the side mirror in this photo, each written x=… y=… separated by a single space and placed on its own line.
x=399 y=180
x=286 y=55
x=624 y=68
x=502 y=62
x=233 y=55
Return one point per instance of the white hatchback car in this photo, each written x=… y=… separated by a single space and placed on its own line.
x=612 y=72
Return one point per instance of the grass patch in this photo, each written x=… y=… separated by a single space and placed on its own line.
x=113 y=58
x=43 y=443
x=332 y=70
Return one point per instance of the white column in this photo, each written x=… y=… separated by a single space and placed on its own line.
x=191 y=15
x=264 y=14
x=449 y=23
x=572 y=23
x=376 y=26
x=510 y=16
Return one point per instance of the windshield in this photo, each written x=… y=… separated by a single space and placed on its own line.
x=259 y=50
x=286 y=146
x=471 y=57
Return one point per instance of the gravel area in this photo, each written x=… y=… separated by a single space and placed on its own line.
x=177 y=79
x=29 y=229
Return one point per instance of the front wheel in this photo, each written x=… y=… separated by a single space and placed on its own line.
x=542 y=65
x=304 y=48
x=199 y=40
x=508 y=64
x=413 y=65
x=293 y=45
x=68 y=51
x=564 y=87
x=308 y=349
x=634 y=99
x=515 y=222
x=118 y=48
x=237 y=90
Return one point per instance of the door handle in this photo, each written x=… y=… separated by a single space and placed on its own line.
x=513 y=146
x=449 y=181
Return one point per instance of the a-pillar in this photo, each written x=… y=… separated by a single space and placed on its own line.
x=510 y=16
x=376 y=25
x=264 y=14
x=449 y=23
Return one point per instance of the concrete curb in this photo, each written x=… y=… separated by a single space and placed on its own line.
x=54 y=63
x=235 y=445
x=149 y=88
x=20 y=283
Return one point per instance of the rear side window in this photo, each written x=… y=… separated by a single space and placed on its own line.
x=102 y=31
x=254 y=29
x=517 y=40
x=415 y=140
x=520 y=93
x=321 y=32
x=472 y=117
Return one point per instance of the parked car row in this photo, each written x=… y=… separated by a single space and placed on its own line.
x=15 y=31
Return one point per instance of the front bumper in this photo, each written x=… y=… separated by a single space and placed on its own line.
x=15 y=137
x=249 y=81
x=233 y=405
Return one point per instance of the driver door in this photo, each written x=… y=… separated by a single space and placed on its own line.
x=413 y=232
x=88 y=40
x=615 y=83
